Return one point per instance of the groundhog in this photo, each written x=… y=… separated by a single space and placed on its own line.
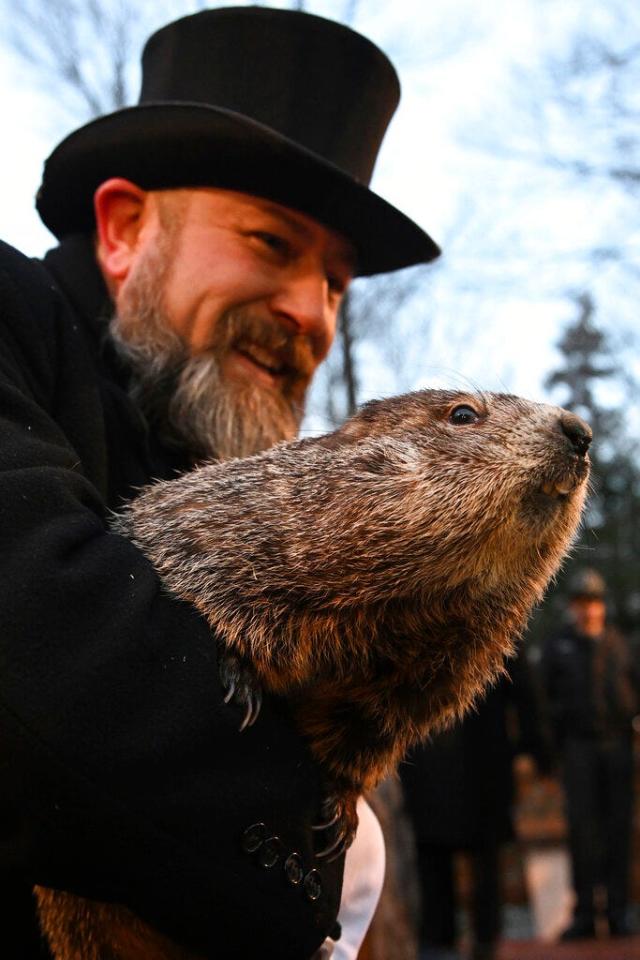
x=377 y=576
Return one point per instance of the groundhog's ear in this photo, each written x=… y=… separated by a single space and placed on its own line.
x=350 y=432
x=354 y=429
x=333 y=441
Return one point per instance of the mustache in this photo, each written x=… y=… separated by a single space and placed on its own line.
x=268 y=341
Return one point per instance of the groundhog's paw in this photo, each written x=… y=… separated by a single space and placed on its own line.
x=241 y=688
x=338 y=825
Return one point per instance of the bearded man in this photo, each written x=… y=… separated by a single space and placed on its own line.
x=207 y=236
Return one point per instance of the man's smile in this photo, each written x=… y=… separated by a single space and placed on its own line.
x=257 y=361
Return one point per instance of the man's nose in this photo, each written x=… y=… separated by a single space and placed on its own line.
x=304 y=304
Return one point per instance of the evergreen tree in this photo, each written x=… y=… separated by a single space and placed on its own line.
x=585 y=382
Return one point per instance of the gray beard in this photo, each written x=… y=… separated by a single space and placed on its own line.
x=188 y=402
x=194 y=409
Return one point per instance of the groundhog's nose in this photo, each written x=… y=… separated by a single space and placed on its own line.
x=577 y=431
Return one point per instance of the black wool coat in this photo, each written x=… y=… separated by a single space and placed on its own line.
x=123 y=774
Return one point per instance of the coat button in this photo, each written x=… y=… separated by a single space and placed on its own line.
x=313 y=885
x=269 y=852
x=253 y=837
x=293 y=869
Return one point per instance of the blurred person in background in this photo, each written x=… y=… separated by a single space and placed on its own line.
x=592 y=692
x=459 y=791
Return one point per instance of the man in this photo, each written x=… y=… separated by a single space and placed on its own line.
x=219 y=223
x=459 y=790
x=593 y=697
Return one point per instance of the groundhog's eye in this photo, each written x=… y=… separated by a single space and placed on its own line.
x=462 y=415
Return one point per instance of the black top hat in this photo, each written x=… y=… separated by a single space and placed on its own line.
x=276 y=103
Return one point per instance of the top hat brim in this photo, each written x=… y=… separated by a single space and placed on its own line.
x=177 y=144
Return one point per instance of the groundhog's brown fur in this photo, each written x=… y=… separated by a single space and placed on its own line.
x=379 y=575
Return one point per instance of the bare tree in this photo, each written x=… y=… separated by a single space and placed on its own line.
x=84 y=53
x=77 y=49
x=566 y=130
x=610 y=538
x=595 y=82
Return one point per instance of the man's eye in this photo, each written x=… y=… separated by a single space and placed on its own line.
x=337 y=285
x=463 y=414
x=272 y=241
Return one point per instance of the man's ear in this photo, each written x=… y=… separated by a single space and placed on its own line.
x=120 y=208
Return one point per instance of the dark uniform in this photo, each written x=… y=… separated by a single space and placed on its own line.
x=592 y=697
x=459 y=792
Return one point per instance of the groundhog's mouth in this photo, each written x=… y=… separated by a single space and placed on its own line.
x=563 y=485
x=559 y=488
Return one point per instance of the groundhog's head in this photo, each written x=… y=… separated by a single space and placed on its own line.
x=481 y=483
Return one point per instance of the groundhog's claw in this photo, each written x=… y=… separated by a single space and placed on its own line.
x=330 y=808
x=337 y=848
x=342 y=821
x=241 y=687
